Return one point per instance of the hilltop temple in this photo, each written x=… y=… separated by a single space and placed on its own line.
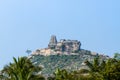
x=55 y=47
x=64 y=45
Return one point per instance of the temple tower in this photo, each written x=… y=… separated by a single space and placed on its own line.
x=53 y=42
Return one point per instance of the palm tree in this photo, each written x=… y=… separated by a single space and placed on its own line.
x=112 y=70
x=96 y=68
x=21 y=69
x=62 y=75
x=105 y=70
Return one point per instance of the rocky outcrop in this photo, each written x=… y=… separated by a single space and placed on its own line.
x=61 y=47
x=64 y=45
x=63 y=54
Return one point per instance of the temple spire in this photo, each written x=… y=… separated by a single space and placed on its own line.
x=53 y=42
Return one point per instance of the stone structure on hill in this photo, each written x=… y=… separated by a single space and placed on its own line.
x=53 y=42
x=63 y=54
x=61 y=47
x=64 y=45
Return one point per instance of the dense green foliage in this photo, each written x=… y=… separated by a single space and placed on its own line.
x=69 y=62
x=117 y=56
x=23 y=69
x=105 y=70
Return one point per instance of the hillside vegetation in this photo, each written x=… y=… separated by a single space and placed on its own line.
x=23 y=69
x=62 y=61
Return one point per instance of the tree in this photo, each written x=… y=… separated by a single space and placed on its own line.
x=21 y=69
x=28 y=51
x=117 y=56
x=62 y=75
x=96 y=68
x=105 y=70
x=112 y=69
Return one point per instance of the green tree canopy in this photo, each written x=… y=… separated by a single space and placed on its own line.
x=21 y=69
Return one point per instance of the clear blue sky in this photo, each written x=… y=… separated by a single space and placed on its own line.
x=28 y=24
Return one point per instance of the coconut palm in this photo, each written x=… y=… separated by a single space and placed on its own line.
x=63 y=75
x=96 y=68
x=21 y=69
x=112 y=70
x=105 y=70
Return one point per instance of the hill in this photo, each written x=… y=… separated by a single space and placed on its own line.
x=65 y=54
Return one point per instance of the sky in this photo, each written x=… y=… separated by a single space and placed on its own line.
x=28 y=24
